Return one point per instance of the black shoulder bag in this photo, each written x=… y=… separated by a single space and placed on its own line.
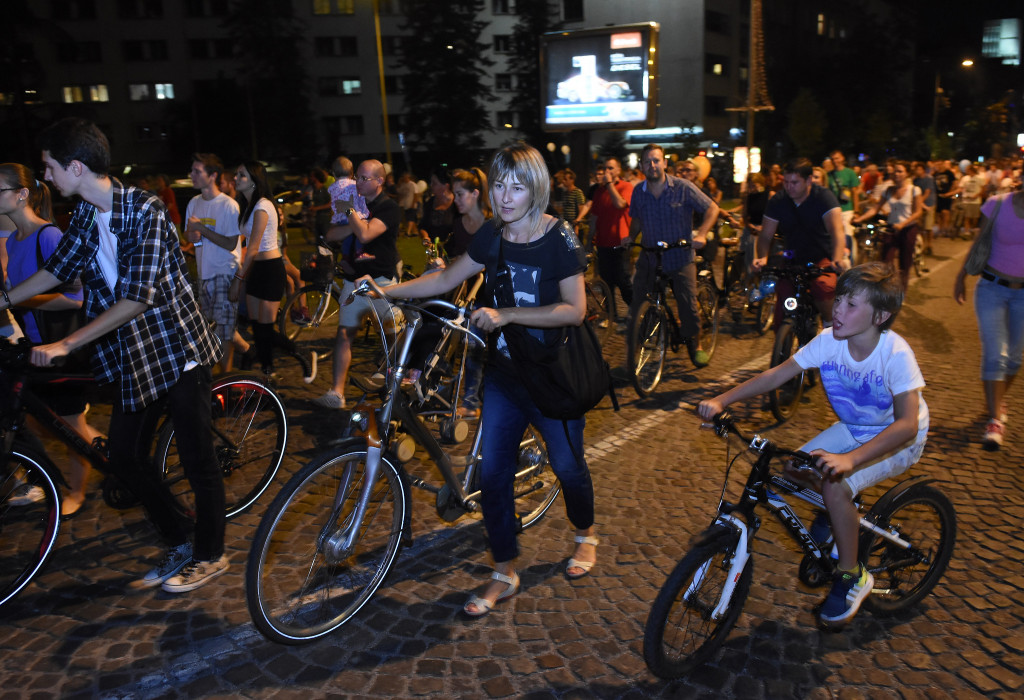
x=564 y=380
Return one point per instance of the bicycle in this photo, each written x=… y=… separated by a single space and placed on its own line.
x=740 y=293
x=799 y=323
x=328 y=540
x=310 y=315
x=653 y=329
x=906 y=540
x=250 y=433
x=600 y=313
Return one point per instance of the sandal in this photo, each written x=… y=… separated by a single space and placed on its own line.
x=484 y=606
x=586 y=566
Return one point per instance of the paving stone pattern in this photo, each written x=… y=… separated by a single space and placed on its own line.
x=80 y=631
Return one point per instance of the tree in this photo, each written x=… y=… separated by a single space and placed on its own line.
x=807 y=124
x=535 y=18
x=444 y=91
x=268 y=45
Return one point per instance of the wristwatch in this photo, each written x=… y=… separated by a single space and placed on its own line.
x=349 y=212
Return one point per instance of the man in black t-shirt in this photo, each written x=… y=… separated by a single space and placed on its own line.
x=370 y=247
x=811 y=223
x=944 y=181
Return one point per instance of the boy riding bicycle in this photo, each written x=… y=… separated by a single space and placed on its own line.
x=873 y=382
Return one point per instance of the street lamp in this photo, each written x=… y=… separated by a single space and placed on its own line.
x=966 y=63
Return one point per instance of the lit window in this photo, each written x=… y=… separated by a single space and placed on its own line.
x=352 y=87
x=98 y=93
x=164 y=91
x=821 y=25
x=717 y=69
x=138 y=91
x=72 y=93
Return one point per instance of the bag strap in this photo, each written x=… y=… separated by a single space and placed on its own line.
x=985 y=235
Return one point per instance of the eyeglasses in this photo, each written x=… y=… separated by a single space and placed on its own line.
x=10 y=189
x=364 y=178
x=687 y=170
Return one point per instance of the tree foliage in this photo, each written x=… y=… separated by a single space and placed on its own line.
x=807 y=123
x=445 y=92
x=535 y=18
x=268 y=45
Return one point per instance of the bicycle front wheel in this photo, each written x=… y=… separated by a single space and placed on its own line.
x=536 y=486
x=310 y=318
x=250 y=434
x=924 y=516
x=648 y=343
x=680 y=633
x=599 y=309
x=710 y=313
x=786 y=399
x=301 y=581
x=29 y=521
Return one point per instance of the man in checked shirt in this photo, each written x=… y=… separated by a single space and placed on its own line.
x=149 y=338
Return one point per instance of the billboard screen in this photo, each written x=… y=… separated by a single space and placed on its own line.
x=599 y=78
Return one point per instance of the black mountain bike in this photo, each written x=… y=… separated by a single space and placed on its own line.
x=653 y=329
x=906 y=540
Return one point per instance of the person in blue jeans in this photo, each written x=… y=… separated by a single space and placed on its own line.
x=546 y=263
x=874 y=384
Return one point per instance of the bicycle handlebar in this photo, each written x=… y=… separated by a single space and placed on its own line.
x=458 y=323
x=724 y=424
x=661 y=246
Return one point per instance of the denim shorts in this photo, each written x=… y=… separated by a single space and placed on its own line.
x=1000 y=312
x=838 y=439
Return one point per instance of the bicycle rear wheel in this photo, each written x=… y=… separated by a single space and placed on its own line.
x=317 y=331
x=924 y=516
x=648 y=343
x=786 y=399
x=300 y=581
x=710 y=314
x=250 y=434
x=29 y=523
x=599 y=310
x=680 y=633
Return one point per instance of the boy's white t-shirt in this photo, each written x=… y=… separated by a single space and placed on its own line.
x=106 y=255
x=861 y=393
x=221 y=215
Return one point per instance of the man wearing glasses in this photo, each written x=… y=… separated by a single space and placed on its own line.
x=370 y=247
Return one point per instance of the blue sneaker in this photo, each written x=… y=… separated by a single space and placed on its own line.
x=848 y=592
x=821 y=530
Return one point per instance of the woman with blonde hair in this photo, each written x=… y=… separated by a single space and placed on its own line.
x=546 y=262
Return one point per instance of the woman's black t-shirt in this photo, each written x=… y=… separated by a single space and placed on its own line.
x=537 y=267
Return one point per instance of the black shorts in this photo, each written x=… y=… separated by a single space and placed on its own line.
x=266 y=279
x=943 y=203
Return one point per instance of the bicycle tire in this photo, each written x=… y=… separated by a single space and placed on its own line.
x=250 y=435
x=536 y=487
x=708 y=305
x=599 y=310
x=679 y=636
x=318 y=334
x=296 y=589
x=924 y=516
x=647 y=346
x=30 y=530
x=785 y=400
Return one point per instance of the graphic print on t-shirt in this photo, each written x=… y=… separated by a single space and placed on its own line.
x=525 y=291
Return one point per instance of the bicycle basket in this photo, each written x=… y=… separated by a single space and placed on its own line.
x=317 y=267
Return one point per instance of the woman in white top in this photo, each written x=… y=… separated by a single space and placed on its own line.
x=906 y=205
x=262 y=269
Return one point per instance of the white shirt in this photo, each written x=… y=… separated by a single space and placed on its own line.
x=221 y=215
x=269 y=241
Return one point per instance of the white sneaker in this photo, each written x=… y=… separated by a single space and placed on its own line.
x=196 y=574
x=173 y=562
x=331 y=399
x=26 y=495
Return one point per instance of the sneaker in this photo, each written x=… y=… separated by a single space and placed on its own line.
x=331 y=399
x=1003 y=415
x=196 y=574
x=309 y=369
x=26 y=495
x=174 y=561
x=821 y=530
x=848 y=592
x=701 y=358
x=993 y=439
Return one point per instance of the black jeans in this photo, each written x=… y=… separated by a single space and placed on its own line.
x=188 y=404
x=613 y=268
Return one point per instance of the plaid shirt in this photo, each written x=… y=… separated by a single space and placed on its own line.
x=148 y=353
x=669 y=218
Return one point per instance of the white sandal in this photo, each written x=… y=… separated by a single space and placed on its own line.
x=576 y=564
x=484 y=606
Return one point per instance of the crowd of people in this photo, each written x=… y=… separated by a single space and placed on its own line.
x=153 y=333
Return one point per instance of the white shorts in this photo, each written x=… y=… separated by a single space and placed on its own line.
x=838 y=439
x=352 y=315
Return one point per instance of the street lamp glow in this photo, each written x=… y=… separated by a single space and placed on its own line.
x=967 y=63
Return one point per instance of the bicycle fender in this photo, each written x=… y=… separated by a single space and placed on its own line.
x=893 y=495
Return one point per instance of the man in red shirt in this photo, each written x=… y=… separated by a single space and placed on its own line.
x=610 y=209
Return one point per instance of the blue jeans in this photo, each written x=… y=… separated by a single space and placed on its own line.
x=507 y=412
x=1000 y=313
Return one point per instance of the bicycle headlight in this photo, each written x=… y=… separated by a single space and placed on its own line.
x=790 y=303
x=767 y=286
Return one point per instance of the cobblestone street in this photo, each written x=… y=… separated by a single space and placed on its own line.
x=79 y=631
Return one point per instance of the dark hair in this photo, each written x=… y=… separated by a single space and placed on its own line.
x=76 y=139
x=799 y=166
x=318 y=174
x=443 y=175
x=211 y=163
x=651 y=147
x=17 y=175
x=258 y=175
x=474 y=179
x=880 y=282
